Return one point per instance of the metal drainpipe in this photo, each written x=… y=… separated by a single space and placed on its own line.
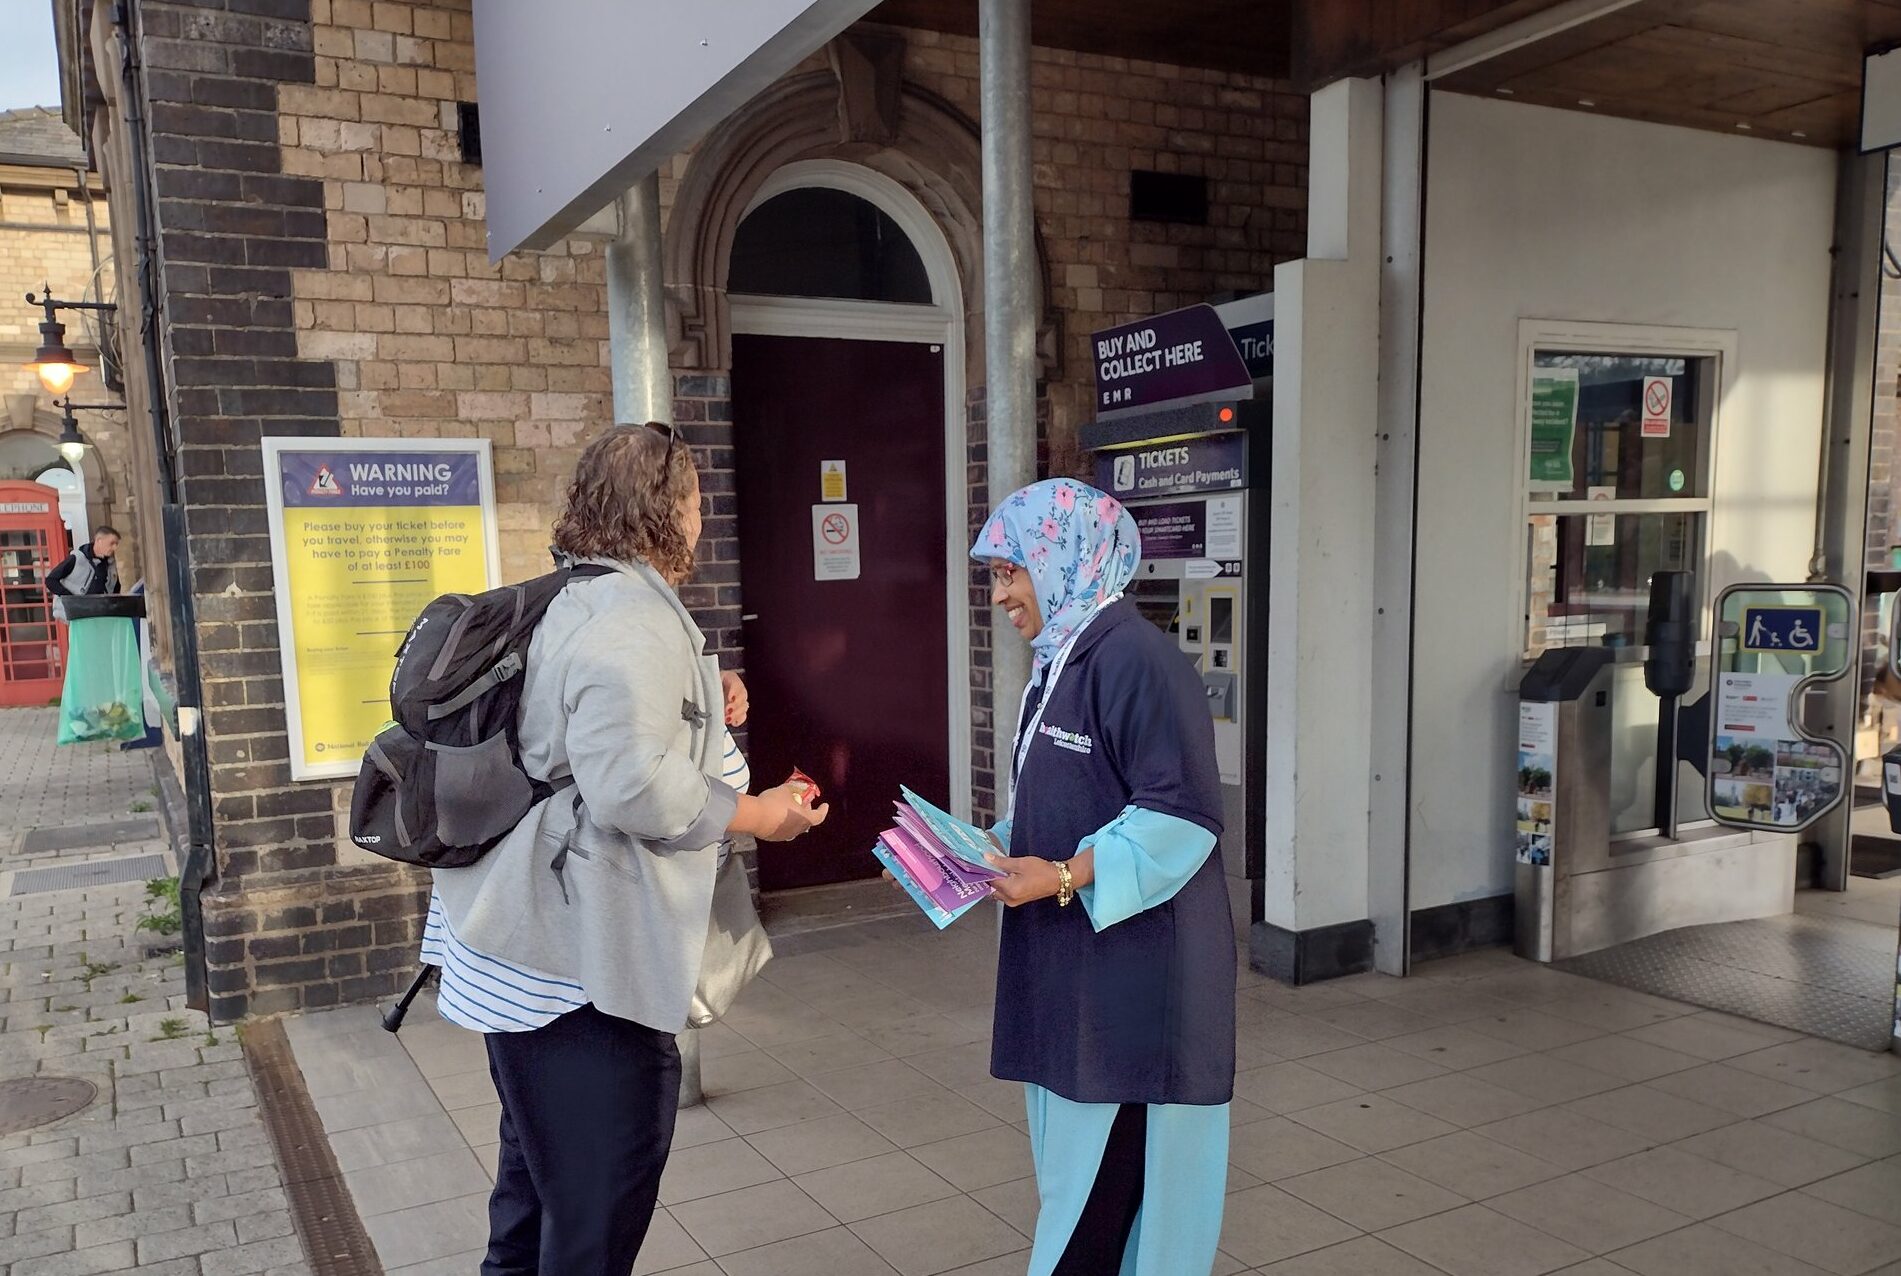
x=200 y=866
x=1010 y=282
x=643 y=391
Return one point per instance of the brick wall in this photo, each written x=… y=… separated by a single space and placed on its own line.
x=233 y=224
x=326 y=270
x=1095 y=120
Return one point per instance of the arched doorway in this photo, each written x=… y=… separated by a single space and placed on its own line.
x=848 y=365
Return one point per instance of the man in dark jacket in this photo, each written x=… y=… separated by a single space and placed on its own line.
x=90 y=570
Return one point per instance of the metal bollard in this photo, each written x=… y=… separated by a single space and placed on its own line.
x=690 y=1092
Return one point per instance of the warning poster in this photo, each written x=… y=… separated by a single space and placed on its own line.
x=364 y=533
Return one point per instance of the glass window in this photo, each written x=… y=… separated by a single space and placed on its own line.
x=1626 y=499
x=819 y=242
x=1591 y=574
x=1618 y=477
x=1624 y=448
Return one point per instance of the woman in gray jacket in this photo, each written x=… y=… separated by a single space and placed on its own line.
x=580 y=968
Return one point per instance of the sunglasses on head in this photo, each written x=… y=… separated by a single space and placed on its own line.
x=666 y=432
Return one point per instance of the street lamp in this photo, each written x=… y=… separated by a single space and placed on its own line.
x=55 y=361
x=72 y=445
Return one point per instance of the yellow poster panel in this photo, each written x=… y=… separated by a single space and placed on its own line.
x=359 y=576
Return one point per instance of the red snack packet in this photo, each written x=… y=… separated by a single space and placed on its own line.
x=805 y=787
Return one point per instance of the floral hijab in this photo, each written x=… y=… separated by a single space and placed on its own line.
x=1079 y=545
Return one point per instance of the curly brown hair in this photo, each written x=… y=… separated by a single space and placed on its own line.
x=624 y=501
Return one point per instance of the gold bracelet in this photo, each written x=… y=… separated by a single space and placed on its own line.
x=1065 y=889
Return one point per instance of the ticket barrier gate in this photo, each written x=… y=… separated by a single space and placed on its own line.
x=1765 y=775
x=1564 y=711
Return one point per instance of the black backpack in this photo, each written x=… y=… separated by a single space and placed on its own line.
x=444 y=782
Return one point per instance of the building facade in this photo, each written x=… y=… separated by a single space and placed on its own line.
x=318 y=209
x=1451 y=203
x=55 y=225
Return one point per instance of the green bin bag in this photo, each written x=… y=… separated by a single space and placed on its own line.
x=103 y=698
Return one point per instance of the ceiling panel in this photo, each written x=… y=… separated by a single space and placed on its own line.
x=1789 y=69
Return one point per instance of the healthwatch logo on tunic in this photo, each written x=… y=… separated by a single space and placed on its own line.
x=1071 y=740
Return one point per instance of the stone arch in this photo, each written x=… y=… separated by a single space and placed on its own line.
x=935 y=154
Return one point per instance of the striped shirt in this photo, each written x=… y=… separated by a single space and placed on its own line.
x=479 y=992
x=734 y=769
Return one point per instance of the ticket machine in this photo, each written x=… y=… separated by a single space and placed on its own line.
x=1181 y=437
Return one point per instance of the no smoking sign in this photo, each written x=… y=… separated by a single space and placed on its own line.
x=1656 y=408
x=835 y=542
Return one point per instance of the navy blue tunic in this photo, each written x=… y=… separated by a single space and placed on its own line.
x=1142 y=1012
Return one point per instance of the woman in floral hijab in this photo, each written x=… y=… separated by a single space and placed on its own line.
x=1118 y=1015
x=1079 y=546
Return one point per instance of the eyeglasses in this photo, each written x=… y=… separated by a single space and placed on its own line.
x=1004 y=575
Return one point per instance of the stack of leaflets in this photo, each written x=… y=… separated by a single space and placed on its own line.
x=938 y=859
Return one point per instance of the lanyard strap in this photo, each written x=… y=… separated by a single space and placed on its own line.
x=1026 y=733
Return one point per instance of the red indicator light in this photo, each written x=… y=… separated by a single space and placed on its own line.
x=1227 y=414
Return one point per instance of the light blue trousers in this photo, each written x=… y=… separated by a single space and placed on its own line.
x=1184 y=1184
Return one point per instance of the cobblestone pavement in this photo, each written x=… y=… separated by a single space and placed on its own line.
x=169 y=1172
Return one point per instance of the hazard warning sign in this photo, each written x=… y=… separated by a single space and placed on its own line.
x=1656 y=408
x=831 y=479
x=835 y=542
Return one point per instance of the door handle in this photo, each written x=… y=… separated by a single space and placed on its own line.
x=751 y=615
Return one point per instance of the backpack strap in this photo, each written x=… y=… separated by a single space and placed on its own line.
x=504 y=669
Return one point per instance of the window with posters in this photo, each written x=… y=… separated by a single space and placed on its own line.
x=1618 y=441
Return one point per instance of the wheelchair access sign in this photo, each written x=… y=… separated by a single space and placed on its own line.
x=1783 y=630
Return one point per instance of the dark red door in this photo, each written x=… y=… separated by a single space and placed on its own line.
x=849 y=679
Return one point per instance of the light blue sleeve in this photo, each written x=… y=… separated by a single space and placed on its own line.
x=1142 y=859
x=1001 y=831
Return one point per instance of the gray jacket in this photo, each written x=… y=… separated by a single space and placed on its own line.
x=621 y=695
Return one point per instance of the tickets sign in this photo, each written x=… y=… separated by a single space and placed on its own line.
x=364 y=533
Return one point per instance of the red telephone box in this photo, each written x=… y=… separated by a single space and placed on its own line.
x=32 y=642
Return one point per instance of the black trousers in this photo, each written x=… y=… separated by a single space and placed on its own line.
x=588 y=1105
x=1102 y=1233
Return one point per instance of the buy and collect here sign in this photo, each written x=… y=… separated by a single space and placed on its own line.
x=364 y=533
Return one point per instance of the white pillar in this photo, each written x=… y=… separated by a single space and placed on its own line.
x=1403 y=197
x=1321 y=568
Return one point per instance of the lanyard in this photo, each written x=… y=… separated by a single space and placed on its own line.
x=1026 y=735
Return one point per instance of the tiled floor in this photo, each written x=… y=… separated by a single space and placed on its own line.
x=1486 y=1117
x=1828 y=968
